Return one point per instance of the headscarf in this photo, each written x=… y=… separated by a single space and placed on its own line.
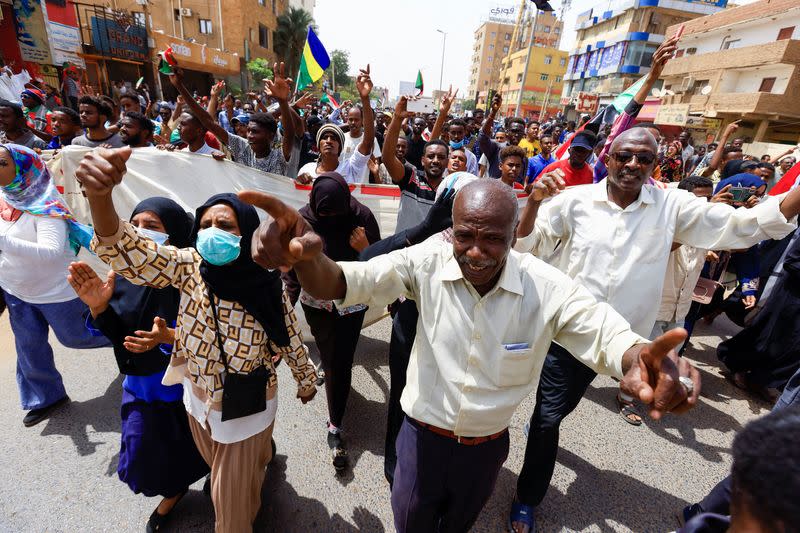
x=259 y=291
x=741 y=180
x=137 y=305
x=33 y=191
x=330 y=195
x=36 y=94
x=336 y=131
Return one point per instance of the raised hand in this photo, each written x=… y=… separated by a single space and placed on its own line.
x=217 y=88
x=143 y=341
x=497 y=101
x=304 y=101
x=176 y=78
x=662 y=55
x=285 y=238
x=358 y=239
x=731 y=128
x=401 y=108
x=447 y=100
x=93 y=291
x=364 y=84
x=101 y=170
x=280 y=87
x=654 y=376
x=548 y=185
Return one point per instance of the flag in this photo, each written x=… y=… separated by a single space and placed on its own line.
x=167 y=61
x=419 y=85
x=328 y=98
x=786 y=181
x=313 y=62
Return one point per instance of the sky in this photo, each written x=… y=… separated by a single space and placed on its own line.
x=398 y=38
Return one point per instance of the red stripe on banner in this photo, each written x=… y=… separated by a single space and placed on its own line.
x=787 y=181
x=60 y=189
x=301 y=187
x=393 y=192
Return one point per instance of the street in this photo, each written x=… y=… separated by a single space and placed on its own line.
x=61 y=474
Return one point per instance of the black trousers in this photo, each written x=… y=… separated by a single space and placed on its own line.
x=404 y=330
x=563 y=383
x=337 y=338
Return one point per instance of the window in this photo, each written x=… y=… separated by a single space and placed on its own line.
x=491 y=47
x=274 y=7
x=691 y=51
x=177 y=14
x=785 y=33
x=557 y=30
x=505 y=49
x=548 y=60
x=544 y=77
x=508 y=36
x=489 y=59
x=559 y=79
x=562 y=62
x=485 y=83
x=263 y=36
x=488 y=71
x=680 y=53
x=519 y=77
x=139 y=18
x=262 y=3
x=766 y=85
x=494 y=34
x=205 y=26
x=728 y=43
x=547 y=29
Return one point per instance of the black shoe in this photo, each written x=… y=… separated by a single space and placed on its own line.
x=157 y=521
x=207 y=486
x=338 y=451
x=320 y=377
x=35 y=416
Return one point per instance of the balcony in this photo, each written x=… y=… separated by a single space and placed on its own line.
x=784 y=105
x=786 y=52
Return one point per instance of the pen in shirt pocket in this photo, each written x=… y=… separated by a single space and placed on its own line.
x=516 y=346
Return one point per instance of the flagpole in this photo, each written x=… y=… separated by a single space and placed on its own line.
x=333 y=78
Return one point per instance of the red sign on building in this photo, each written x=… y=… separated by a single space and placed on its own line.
x=587 y=102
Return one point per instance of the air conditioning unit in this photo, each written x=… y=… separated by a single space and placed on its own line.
x=687 y=84
x=186 y=12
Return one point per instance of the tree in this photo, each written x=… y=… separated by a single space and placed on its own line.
x=341 y=65
x=468 y=105
x=290 y=37
x=259 y=69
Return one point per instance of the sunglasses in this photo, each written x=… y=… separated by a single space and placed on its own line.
x=643 y=158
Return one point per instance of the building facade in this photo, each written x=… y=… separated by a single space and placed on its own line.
x=616 y=41
x=492 y=43
x=741 y=64
x=543 y=84
x=308 y=5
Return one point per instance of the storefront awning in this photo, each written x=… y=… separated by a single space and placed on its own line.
x=196 y=56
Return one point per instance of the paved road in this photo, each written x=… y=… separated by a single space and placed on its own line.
x=61 y=474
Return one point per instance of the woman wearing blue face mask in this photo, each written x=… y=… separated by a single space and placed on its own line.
x=157 y=455
x=232 y=317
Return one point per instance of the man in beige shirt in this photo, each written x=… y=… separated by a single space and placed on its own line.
x=470 y=366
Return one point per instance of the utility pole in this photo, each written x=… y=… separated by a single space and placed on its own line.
x=527 y=63
x=151 y=45
x=441 y=71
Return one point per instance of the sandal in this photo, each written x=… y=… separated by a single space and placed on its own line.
x=627 y=411
x=521 y=514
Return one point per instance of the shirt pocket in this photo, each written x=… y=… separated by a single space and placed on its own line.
x=514 y=366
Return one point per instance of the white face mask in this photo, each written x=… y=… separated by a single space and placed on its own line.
x=156 y=236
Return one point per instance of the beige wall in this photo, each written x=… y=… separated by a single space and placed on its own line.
x=483 y=73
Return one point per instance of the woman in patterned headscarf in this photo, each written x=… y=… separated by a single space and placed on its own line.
x=38 y=238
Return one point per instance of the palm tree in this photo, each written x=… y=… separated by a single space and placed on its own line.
x=290 y=37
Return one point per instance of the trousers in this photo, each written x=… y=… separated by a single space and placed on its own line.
x=39 y=382
x=237 y=473
x=562 y=384
x=440 y=485
x=337 y=337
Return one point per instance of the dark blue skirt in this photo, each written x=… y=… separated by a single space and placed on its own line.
x=157 y=455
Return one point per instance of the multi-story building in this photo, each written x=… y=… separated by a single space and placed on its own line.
x=741 y=64
x=616 y=41
x=308 y=5
x=492 y=43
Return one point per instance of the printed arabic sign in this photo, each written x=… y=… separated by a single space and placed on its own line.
x=716 y=3
x=703 y=123
x=111 y=39
x=30 y=20
x=587 y=102
x=198 y=57
x=65 y=42
x=672 y=115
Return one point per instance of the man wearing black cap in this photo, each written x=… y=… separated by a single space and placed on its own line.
x=574 y=170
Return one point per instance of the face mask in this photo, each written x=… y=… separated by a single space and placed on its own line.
x=155 y=236
x=456 y=145
x=217 y=246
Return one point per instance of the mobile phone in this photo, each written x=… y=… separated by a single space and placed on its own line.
x=421 y=105
x=741 y=194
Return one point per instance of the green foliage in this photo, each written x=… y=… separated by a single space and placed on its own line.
x=341 y=64
x=468 y=105
x=259 y=69
x=290 y=37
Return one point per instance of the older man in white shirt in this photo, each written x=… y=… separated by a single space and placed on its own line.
x=614 y=238
x=470 y=366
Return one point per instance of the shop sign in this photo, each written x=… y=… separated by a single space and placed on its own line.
x=111 y=39
x=195 y=56
x=65 y=42
x=30 y=19
x=672 y=115
x=587 y=102
x=703 y=123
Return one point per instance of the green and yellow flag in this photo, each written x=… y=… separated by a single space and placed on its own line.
x=313 y=62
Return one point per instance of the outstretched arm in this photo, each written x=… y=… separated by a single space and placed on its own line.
x=364 y=87
x=280 y=88
x=444 y=110
x=394 y=167
x=716 y=159
x=205 y=118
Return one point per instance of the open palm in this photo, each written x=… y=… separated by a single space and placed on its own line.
x=90 y=288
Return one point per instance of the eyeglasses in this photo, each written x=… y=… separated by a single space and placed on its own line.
x=643 y=158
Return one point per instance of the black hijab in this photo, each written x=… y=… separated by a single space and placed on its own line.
x=135 y=306
x=259 y=291
x=333 y=214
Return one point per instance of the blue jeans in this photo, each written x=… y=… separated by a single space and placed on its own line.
x=38 y=380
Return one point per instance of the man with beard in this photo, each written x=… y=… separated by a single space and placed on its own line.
x=94 y=114
x=136 y=130
x=13 y=128
x=614 y=238
x=470 y=366
x=416 y=144
x=193 y=133
x=66 y=126
x=491 y=149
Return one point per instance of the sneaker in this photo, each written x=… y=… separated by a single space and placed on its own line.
x=338 y=451
x=35 y=416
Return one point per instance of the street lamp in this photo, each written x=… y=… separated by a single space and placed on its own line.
x=441 y=72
